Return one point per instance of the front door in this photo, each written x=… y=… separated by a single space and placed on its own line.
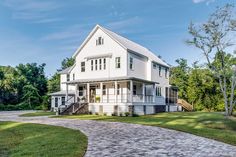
x=92 y=94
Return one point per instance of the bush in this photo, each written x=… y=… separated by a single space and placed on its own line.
x=121 y=114
x=96 y=113
x=104 y=114
x=113 y=114
x=127 y=114
x=135 y=115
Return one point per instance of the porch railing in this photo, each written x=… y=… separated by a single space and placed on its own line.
x=120 y=98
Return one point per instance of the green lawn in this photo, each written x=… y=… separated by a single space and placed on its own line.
x=24 y=139
x=39 y=113
x=210 y=125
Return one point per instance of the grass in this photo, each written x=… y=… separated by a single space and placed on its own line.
x=25 y=139
x=211 y=125
x=40 y=113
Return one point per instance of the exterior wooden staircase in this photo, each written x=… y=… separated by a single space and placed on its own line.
x=75 y=108
x=185 y=105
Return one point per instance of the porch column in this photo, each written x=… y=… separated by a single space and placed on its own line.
x=88 y=91
x=101 y=87
x=76 y=85
x=143 y=92
x=115 y=91
x=66 y=92
x=154 y=93
x=131 y=91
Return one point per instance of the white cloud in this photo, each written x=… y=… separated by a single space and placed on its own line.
x=200 y=1
x=32 y=10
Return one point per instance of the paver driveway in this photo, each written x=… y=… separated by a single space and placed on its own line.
x=120 y=139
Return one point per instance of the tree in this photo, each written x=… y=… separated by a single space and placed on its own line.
x=67 y=62
x=179 y=77
x=214 y=38
x=30 y=94
x=54 y=82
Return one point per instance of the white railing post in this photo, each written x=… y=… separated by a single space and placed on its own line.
x=66 y=92
x=143 y=92
x=131 y=91
x=101 y=91
x=88 y=92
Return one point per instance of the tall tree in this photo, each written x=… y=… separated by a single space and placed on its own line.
x=179 y=77
x=30 y=94
x=214 y=38
x=67 y=62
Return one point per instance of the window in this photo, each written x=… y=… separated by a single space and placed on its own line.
x=104 y=63
x=131 y=63
x=134 y=89
x=158 y=91
x=159 y=70
x=104 y=90
x=166 y=73
x=100 y=64
x=99 y=41
x=63 y=100
x=81 y=91
x=73 y=76
x=154 y=66
x=96 y=64
x=91 y=65
x=117 y=62
x=68 y=77
x=82 y=66
x=56 y=102
x=118 y=89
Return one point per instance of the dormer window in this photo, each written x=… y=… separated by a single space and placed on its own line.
x=99 y=41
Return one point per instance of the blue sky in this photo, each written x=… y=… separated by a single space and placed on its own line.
x=47 y=31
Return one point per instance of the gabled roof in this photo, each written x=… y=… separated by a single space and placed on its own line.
x=127 y=44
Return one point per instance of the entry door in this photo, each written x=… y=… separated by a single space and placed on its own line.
x=92 y=95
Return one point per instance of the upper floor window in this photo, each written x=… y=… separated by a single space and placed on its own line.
x=159 y=70
x=91 y=65
x=158 y=91
x=82 y=66
x=166 y=73
x=100 y=41
x=131 y=63
x=68 y=77
x=73 y=76
x=104 y=63
x=96 y=64
x=117 y=62
x=100 y=64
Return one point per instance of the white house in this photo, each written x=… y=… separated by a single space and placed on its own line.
x=115 y=75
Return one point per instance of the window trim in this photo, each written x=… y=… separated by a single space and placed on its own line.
x=63 y=100
x=91 y=62
x=131 y=63
x=158 y=91
x=96 y=64
x=100 y=64
x=104 y=63
x=67 y=77
x=56 y=101
x=117 y=62
x=82 y=66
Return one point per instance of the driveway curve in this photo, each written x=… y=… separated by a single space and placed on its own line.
x=114 y=139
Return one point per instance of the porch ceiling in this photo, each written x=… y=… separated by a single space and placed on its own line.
x=110 y=79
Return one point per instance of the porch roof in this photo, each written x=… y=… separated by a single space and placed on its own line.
x=109 y=79
x=63 y=92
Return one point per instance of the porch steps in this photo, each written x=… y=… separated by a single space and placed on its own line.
x=75 y=108
x=185 y=105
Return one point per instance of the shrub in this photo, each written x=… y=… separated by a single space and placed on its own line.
x=121 y=114
x=96 y=113
x=127 y=114
x=90 y=112
x=135 y=115
x=104 y=114
x=114 y=114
